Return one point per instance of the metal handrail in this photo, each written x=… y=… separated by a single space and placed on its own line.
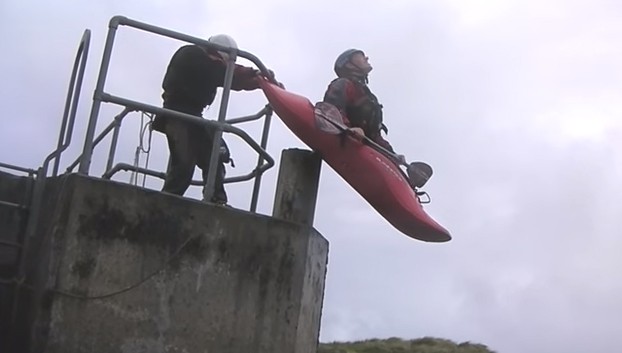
x=18 y=168
x=264 y=111
x=71 y=103
x=191 y=119
x=256 y=174
x=99 y=94
x=261 y=148
x=73 y=96
x=30 y=172
x=128 y=167
x=132 y=168
x=13 y=205
x=218 y=127
x=10 y=244
x=233 y=52
x=264 y=144
x=114 y=125
x=21 y=207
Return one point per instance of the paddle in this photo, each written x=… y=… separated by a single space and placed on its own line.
x=418 y=172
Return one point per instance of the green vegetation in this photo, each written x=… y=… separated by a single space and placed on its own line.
x=397 y=345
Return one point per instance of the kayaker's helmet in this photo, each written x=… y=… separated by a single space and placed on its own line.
x=225 y=41
x=343 y=69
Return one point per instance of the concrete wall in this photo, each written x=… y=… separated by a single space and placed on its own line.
x=13 y=189
x=188 y=277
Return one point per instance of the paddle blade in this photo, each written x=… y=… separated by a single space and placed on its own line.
x=419 y=173
x=328 y=118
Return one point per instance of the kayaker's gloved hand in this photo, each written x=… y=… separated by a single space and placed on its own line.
x=357 y=133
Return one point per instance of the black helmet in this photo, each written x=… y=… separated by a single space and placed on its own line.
x=343 y=59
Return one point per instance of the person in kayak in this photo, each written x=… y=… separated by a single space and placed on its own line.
x=193 y=75
x=359 y=107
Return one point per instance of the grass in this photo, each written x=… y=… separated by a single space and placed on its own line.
x=398 y=345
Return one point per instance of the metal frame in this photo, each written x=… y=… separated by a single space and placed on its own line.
x=219 y=126
x=73 y=97
x=115 y=127
x=40 y=175
x=20 y=207
x=64 y=139
x=111 y=169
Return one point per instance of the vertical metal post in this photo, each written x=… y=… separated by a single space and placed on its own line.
x=208 y=191
x=63 y=128
x=264 y=143
x=87 y=151
x=113 y=144
x=297 y=186
x=73 y=97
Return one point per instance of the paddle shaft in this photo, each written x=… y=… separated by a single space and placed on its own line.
x=371 y=142
x=333 y=115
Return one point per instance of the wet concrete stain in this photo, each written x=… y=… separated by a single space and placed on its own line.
x=83 y=268
x=104 y=221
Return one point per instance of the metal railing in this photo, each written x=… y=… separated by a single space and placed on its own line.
x=35 y=193
x=71 y=103
x=265 y=161
x=23 y=206
x=64 y=139
x=115 y=126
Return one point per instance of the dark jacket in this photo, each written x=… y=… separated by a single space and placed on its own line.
x=359 y=107
x=193 y=77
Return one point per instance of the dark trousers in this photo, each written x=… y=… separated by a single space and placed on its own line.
x=190 y=146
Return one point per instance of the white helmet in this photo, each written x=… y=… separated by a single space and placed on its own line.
x=225 y=41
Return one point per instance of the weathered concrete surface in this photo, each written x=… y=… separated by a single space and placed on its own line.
x=297 y=186
x=191 y=277
x=16 y=190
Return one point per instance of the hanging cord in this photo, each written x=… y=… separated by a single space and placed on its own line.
x=144 y=128
x=166 y=264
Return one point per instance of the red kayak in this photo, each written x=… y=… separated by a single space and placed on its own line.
x=378 y=179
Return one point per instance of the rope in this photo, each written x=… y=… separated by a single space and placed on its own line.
x=21 y=283
x=144 y=128
x=133 y=286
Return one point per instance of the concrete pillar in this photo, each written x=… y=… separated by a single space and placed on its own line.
x=297 y=186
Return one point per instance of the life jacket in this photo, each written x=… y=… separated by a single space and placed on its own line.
x=365 y=111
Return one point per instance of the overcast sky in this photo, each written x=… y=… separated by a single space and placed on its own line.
x=516 y=104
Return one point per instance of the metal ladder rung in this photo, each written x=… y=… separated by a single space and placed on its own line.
x=10 y=244
x=14 y=205
x=19 y=207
